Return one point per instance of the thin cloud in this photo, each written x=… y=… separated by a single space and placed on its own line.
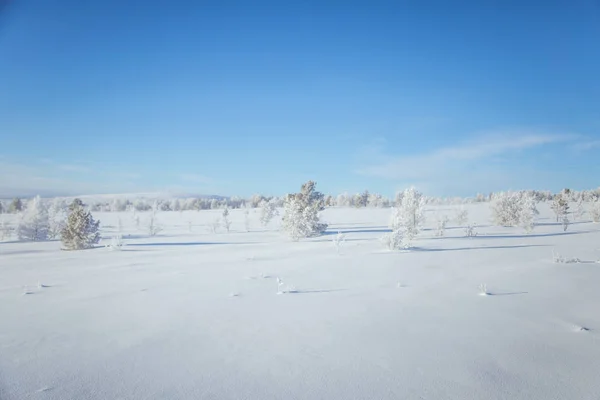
x=439 y=161
x=486 y=163
x=585 y=146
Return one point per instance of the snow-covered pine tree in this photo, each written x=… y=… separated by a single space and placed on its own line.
x=301 y=212
x=81 y=231
x=15 y=206
x=34 y=222
x=560 y=206
x=406 y=219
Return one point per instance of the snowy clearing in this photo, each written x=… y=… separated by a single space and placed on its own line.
x=191 y=314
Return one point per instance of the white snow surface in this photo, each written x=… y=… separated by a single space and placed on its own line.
x=197 y=315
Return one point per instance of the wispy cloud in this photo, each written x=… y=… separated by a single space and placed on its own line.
x=585 y=146
x=456 y=167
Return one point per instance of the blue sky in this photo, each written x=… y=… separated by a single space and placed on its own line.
x=237 y=98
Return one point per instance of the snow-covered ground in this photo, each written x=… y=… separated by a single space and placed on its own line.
x=189 y=314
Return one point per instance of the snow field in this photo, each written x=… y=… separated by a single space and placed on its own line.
x=192 y=314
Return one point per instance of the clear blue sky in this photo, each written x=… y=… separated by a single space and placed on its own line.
x=242 y=97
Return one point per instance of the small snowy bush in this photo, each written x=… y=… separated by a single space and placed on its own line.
x=215 y=225
x=226 y=221
x=301 y=213
x=247 y=220
x=470 y=230
x=506 y=208
x=57 y=217
x=34 y=222
x=116 y=243
x=441 y=225
x=483 y=291
x=80 y=231
x=268 y=210
x=595 y=211
x=527 y=212
x=153 y=226
x=407 y=217
x=462 y=216
x=338 y=240
x=396 y=240
x=560 y=206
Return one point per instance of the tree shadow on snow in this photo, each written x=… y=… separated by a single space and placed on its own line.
x=366 y=230
x=523 y=236
x=505 y=293
x=185 y=244
x=314 y=291
x=425 y=249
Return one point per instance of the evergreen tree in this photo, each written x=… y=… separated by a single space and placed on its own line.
x=301 y=212
x=81 y=231
x=15 y=206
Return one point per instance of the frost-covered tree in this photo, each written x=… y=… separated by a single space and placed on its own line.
x=226 y=220
x=527 y=212
x=34 y=222
x=595 y=211
x=441 y=223
x=462 y=216
x=57 y=216
x=506 y=208
x=247 y=220
x=81 y=230
x=268 y=210
x=560 y=206
x=15 y=206
x=361 y=199
x=301 y=212
x=407 y=218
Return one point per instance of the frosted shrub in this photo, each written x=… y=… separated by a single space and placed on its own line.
x=565 y=223
x=80 y=231
x=558 y=259
x=483 y=290
x=506 y=208
x=527 y=212
x=247 y=220
x=57 y=217
x=268 y=210
x=338 y=240
x=396 y=240
x=462 y=216
x=470 y=230
x=560 y=206
x=153 y=226
x=406 y=219
x=215 y=225
x=5 y=230
x=226 y=221
x=441 y=226
x=580 y=212
x=595 y=211
x=116 y=243
x=34 y=222
x=301 y=213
